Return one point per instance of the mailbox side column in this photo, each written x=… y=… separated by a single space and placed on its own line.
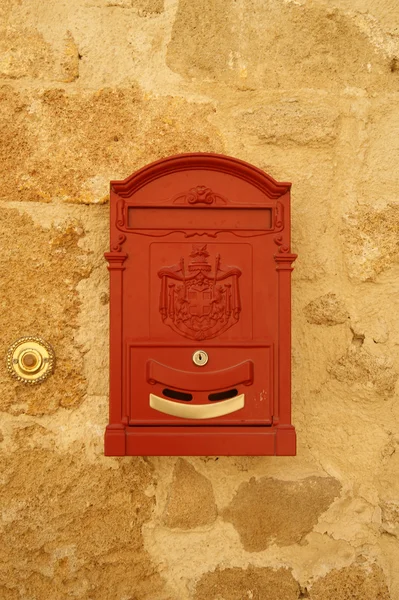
x=115 y=434
x=285 y=432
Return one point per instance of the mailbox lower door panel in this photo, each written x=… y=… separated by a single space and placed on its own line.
x=234 y=387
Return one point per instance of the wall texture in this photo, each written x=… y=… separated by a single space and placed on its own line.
x=305 y=89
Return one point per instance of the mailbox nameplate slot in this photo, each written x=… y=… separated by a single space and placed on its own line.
x=255 y=219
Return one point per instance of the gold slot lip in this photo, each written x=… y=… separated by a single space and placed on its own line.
x=197 y=411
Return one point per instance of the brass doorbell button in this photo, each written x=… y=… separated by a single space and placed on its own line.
x=30 y=360
x=200 y=358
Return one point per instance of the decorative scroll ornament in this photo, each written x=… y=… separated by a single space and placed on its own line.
x=279 y=218
x=280 y=243
x=199 y=195
x=197 y=303
x=120 y=213
x=117 y=246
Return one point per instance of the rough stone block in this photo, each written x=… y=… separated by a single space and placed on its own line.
x=370 y=237
x=390 y=517
x=360 y=368
x=291 y=123
x=255 y=583
x=352 y=583
x=67 y=147
x=326 y=310
x=274 y=44
x=191 y=501
x=73 y=528
x=268 y=511
x=70 y=60
x=25 y=54
x=379 y=170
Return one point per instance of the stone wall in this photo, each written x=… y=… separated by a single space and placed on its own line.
x=307 y=90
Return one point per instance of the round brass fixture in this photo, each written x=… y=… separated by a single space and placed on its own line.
x=200 y=358
x=30 y=360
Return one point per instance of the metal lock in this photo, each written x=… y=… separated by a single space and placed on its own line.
x=200 y=358
x=30 y=360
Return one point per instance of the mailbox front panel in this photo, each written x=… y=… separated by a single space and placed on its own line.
x=200 y=310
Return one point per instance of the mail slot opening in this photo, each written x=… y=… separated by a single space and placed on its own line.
x=177 y=395
x=223 y=395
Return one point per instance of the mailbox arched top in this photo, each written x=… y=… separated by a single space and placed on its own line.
x=201 y=161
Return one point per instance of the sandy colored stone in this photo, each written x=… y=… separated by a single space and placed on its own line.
x=191 y=501
x=70 y=62
x=390 y=517
x=25 y=53
x=387 y=483
x=72 y=528
x=40 y=270
x=71 y=145
x=353 y=583
x=272 y=43
x=291 y=122
x=384 y=14
x=359 y=367
x=6 y=7
x=254 y=583
x=326 y=310
x=380 y=161
x=144 y=8
x=371 y=241
x=16 y=145
x=267 y=511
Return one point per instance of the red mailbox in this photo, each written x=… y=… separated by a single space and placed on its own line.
x=200 y=268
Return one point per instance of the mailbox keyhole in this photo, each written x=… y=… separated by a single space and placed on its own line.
x=200 y=358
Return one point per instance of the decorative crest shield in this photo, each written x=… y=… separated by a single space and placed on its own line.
x=196 y=302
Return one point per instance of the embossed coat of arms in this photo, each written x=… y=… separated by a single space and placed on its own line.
x=198 y=301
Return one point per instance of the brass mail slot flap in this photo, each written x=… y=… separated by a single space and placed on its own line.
x=197 y=411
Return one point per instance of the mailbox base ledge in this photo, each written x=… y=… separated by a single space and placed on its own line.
x=285 y=440
x=201 y=441
x=115 y=441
